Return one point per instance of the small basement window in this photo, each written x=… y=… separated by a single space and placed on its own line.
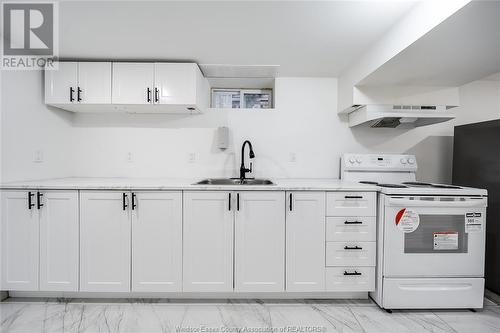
x=225 y=98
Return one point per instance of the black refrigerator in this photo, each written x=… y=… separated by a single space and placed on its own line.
x=476 y=163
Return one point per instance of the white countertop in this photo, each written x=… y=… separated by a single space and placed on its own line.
x=75 y=183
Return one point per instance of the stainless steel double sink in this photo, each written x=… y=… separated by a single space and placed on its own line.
x=234 y=181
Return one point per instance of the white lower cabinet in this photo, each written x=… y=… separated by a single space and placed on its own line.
x=305 y=241
x=208 y=241
x=59 y=241
x=105 y=232
x=260 y=241
x=156 y=241
x=39 y=236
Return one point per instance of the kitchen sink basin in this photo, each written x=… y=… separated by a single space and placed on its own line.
x=234 y=181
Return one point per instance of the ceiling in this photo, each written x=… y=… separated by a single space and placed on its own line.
x=464 y=48
x=306 y=38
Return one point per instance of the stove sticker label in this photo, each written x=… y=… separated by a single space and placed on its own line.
x=407 y=220
x=445 y=240
x=474 y=222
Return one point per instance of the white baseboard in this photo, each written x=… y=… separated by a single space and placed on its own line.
x=277 y=296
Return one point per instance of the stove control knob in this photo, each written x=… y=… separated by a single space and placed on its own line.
x=359 y=160
x=352 y=160
x=411 y=161
x=403 y=161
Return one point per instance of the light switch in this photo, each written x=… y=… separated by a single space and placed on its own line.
x=38 y=156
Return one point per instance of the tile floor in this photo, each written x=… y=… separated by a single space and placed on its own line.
x=255 y=316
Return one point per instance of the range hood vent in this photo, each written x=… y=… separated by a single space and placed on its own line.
x=392 y=116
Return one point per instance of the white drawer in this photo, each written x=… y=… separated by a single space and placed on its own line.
x=351 y=203
x=350 y=253
x=351 y=229
x=433 y=293
x=350 y=279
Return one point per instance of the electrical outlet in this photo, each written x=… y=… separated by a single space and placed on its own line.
x=192 y=158
x=293 y=157
x=38 y=156
x=130 y=157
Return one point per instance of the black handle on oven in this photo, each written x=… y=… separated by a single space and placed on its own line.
x=353 y=222
x=353 y=247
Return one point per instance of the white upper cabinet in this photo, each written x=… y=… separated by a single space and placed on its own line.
x=20 y=229
x=208 y=241
x=94 y=83
x=260 y=241
x=180 y=85
x=127 y=87
x=156 y=241
x=305 y=241
x=104 y=241
x=133 y=83
x=77 y=83
x=61 y=84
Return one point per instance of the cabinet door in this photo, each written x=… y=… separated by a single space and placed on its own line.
x=104 y=242
x=59 y=243
x=131 y=82
x=94 y=80
x=176 y=83
x=208 y=242
x=19 y=229
x=260 y=242
x=157 y=242
x=305 y=241
x=59 y=82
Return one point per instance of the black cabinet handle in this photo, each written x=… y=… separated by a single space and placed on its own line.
x=229 y=201
x=148 y=95
x=351 y=273
x=353 y=248
x=71 y=92
x=133 y=201
x=237 y=201
x=124 y=197
x=30 y=204
x=39 y=203
x=78 y=97
x=353 y=222
x=353 y=197
x=291 y=199
x=157 y=93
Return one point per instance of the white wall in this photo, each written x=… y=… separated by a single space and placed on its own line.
x=480 y=101
x=305 y=123
x=27 y=125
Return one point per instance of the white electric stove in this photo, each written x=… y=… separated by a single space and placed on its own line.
x=430 y=237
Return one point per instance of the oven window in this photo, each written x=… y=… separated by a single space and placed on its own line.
x=438 y=234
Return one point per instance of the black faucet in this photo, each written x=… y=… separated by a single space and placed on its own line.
x=243 y=169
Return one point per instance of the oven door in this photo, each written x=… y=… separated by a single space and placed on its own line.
x=434 y=236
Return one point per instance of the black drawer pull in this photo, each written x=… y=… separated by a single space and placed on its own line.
x=30 y=196
x=353 y=247
x=124 y=204
x=353 y=197
x=229 y=201
x=351 y=273
x=353 y=222
x=133 y=201
x=148 y=95
x=39 y=203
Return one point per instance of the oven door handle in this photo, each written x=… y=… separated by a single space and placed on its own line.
x=468 y=202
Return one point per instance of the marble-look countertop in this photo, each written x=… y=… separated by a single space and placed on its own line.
x=75 y=183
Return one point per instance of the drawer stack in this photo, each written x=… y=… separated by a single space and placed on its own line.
x=350 y=241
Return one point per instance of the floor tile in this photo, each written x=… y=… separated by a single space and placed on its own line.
x=463 y=321
x=375 y=320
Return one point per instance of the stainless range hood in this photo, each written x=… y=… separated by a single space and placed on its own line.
x=392 y=116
